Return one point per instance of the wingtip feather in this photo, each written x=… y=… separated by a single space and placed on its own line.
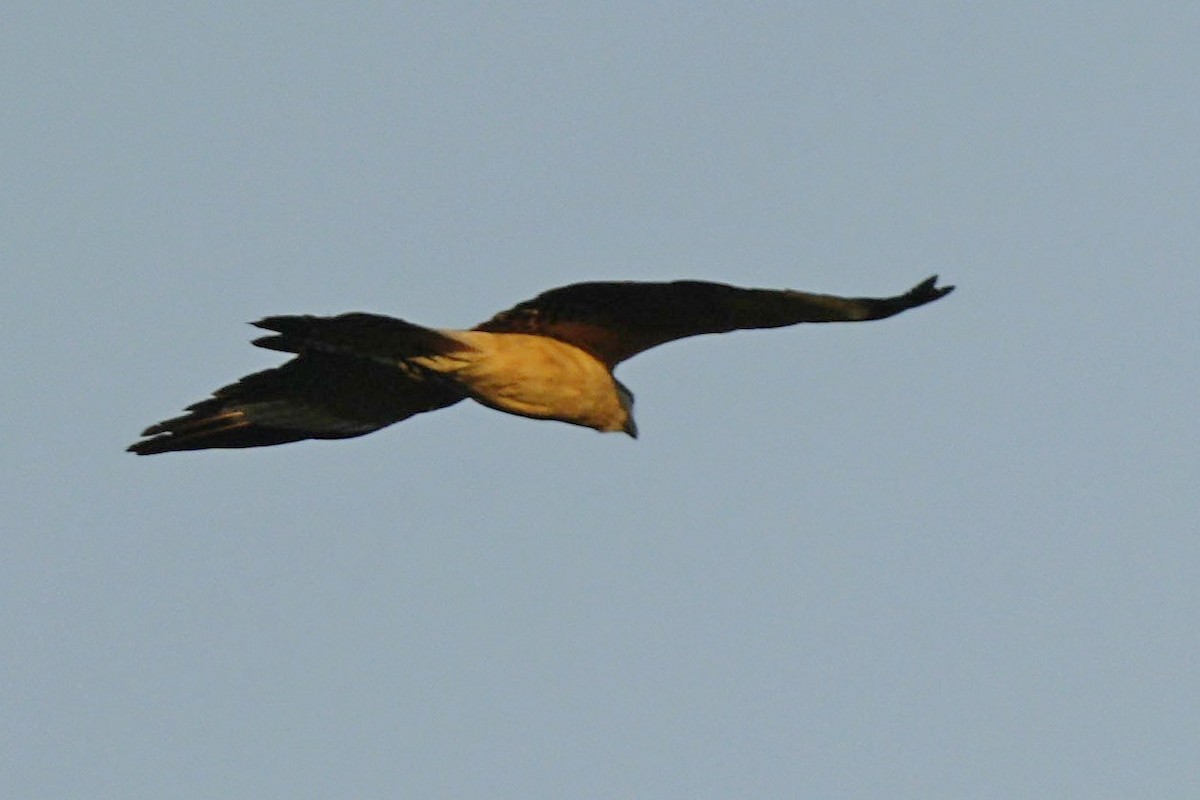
x=927 y=291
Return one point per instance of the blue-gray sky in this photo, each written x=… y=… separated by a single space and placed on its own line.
x=952 y=554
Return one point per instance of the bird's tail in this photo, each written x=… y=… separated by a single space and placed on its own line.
x=352 y=374
x=357 y=334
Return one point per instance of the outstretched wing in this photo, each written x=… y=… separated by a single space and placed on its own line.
x=350 y=377
x=614 y=321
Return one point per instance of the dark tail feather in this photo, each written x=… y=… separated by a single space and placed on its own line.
x=358 y=334
x=349 y=378
x=293 y=332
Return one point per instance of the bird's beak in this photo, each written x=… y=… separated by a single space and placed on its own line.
x=630 y=428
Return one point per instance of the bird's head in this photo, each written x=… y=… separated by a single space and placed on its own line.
x=626 y=397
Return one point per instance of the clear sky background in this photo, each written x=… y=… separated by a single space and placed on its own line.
x=954 y=554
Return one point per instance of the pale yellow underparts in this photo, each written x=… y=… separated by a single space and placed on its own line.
x=539 y=377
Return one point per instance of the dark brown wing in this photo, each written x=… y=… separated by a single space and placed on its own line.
x=349 y=378
x=615 y=321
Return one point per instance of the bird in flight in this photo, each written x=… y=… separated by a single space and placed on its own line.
x=551 y=357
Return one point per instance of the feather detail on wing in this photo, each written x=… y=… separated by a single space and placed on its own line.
x=350 y=377
x=617 y=320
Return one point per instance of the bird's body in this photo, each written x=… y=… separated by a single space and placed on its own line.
x=551 y=357
x=535 y=376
